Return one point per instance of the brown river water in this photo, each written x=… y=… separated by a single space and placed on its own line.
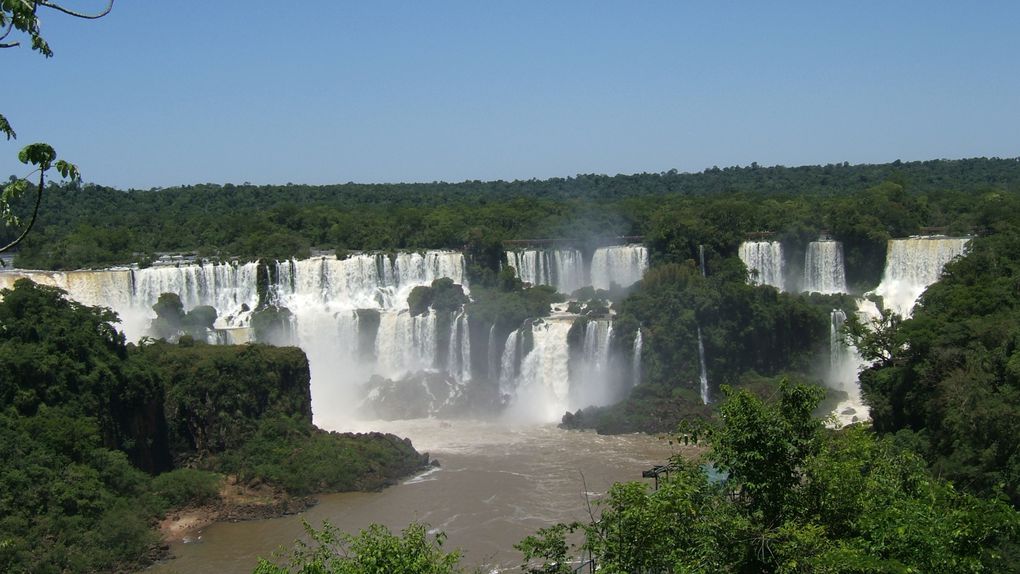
x=497 y=483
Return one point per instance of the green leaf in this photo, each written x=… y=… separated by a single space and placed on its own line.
x=39 y=154
x=6 y=129
x=68 y=170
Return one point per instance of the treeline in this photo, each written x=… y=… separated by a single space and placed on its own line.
x=862 y=205
x=99 y=438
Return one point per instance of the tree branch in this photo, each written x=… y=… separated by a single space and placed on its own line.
x=69 y=12
x=35 y=212
x=10 y=27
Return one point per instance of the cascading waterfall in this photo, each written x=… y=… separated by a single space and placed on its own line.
x=111 y=288
x=706 y=397
x=843 y=359
x=845 y=364
x=493 y=355
x=911 y=265
x=365 y=281
x=459 y=349
x=636 y=361
x=560 y=268
x=764 y=261
x=592 y=384
x=351 y=318
x=623 y=265
x=542 y=391
x=508 y=364
x=701 y=259
x=824 y=271
x=405 y=343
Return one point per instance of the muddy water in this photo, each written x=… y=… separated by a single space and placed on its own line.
x=497 y=484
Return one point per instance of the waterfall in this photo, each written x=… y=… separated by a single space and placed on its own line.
x=493 y=357
x=111 y=288
x=764 y=261
x=636 y=361
x=845 y=364
x=592 y=383
x=911 y=265
x=225 y=286
x=623 y=265
x=543 y=385
x=559 y=268
x=701 y=259
x=823 y=268
x=366 y=281
x=706 y=397
x=842 y=367
x=508 y=364
x=405 y=343
x=459 y=349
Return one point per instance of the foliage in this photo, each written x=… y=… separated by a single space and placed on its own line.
x=861 y=205
x=57 y=352
x=60 y=485
x=187 y=487
x=375 y=550
x=172 y=321
x=83 y=415
x=795 y=498
x=23 y=17
x=290 y=453
x=216 y=396
x=948 y=383
x=444 y=296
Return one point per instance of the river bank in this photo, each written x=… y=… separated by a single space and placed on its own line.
x=497 y=483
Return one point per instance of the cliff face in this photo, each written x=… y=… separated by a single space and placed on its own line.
x=216 y=396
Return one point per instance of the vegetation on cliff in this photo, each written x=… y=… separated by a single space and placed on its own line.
x=98 y=438
x=946 y=382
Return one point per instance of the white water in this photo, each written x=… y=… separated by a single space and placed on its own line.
x=824 y=271
x=764 y=261
x=593 y=384
x=844 y=367
x=508 y=365
x=706 y=396
x=560 y=268
x=323 y=294
x=542 y=389
x=623 y=265
x=912 y=265
x=636 y=361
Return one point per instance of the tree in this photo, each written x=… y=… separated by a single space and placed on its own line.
x=779 y=493
x=375 y=550
x=22 y=16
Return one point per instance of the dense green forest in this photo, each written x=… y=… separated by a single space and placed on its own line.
x=99 y=438
x=862 y=205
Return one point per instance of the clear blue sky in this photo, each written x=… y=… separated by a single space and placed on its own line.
x=162 y=93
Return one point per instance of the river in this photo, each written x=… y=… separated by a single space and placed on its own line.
x=497 y=483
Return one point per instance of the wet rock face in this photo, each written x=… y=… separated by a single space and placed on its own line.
x=420 y=395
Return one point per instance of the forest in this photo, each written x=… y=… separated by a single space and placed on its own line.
x=86 y=225
x=931 y=485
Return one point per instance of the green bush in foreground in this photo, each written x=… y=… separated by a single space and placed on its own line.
x=187 y=487
x=375 y=550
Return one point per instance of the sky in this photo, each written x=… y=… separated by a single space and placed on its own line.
x=168 y=93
